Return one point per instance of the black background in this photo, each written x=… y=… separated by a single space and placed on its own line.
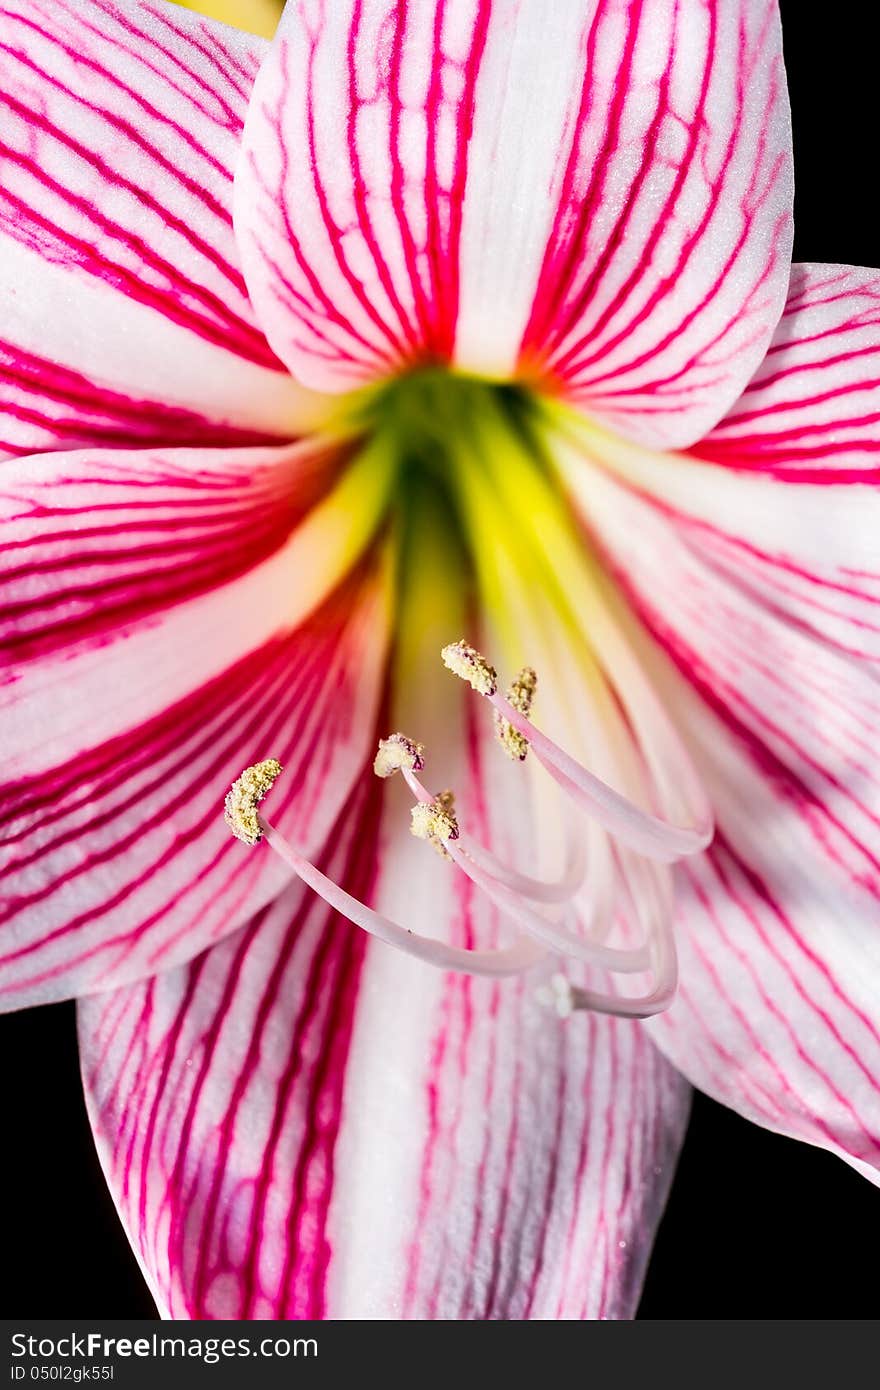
x=757 y=1226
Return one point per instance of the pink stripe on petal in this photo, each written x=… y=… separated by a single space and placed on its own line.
x=348 y=194
x=775 y=1018
x=782 y=496
x=215 y=1093
x=45 y=405
x=117 y=863
x=600 y=193
x=811 y=410
x=95 y=603
x=667 y=262
x=118 y=139
x=99 y=540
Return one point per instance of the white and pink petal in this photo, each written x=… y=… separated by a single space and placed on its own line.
x=600 y=193
x=123 y=305
x=782 y=496
x=779 y=1007
x=115 y=860
x=810 y=412
x=98 y=541
x=166 y=615
x=44 y=405
x=667 y=262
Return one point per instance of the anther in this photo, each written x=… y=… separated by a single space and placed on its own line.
x=520 y=694
x=435 y=821
x=243 y=797
x=467 y=663
x=397 y=751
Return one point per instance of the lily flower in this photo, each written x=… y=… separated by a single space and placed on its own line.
x=462 y=327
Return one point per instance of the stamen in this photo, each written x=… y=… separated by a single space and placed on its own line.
x=241 y=803
x=650 y=835
x=436 y=816
x=397 y=751
x=467 y=663
x=511 y=960
x=435 y=821
x=243 y=797
x=555 y=937
x=500 y=885
x=561 y=890
x=520 y=693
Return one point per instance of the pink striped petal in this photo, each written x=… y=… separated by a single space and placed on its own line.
x=598 y=192
x=668 y=261
x=810 y=413
x=97 y=542
x=166 y=566
x=117 y=863
x=777 y=924
x=161 y=627
x=783 y=495
x=301 y=1124
x=124 y=313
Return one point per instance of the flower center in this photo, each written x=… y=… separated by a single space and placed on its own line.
x=520 y=897
x=475 y=502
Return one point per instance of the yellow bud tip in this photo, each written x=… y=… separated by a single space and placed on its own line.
x=397 y=751
x=520 y=693
x=467 y=663
x=435 y=821
x=243 y=797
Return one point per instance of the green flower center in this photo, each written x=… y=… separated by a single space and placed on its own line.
x=475 y=456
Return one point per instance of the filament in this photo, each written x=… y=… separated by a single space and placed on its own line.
x=640 y=830
x=512 y=902
x=511 y=960
x=540 y=890
x=650 y=835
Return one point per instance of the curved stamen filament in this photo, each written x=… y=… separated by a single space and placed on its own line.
x=556 y=938
x=640 y=830
x=539 y=890
x=541 y=934
x=511 y=960
x=567 y=998
x=512 y=902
